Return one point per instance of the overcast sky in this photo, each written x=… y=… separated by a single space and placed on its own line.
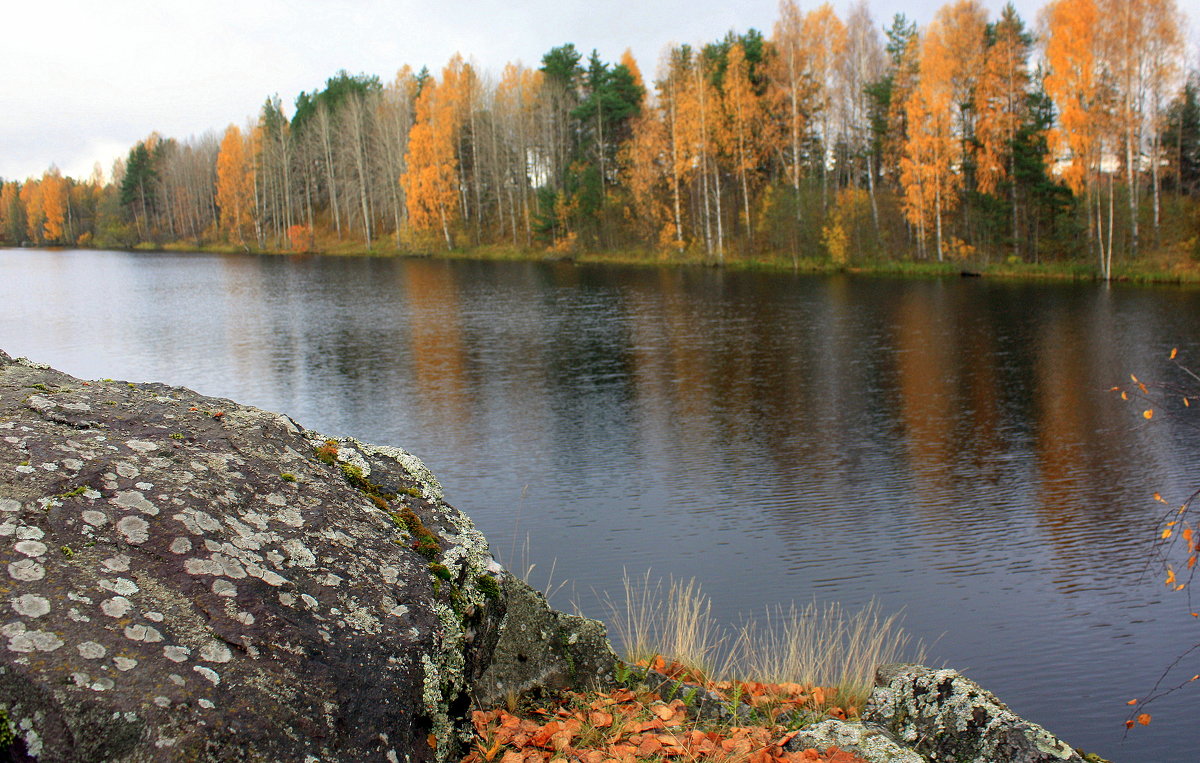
x=85 y=79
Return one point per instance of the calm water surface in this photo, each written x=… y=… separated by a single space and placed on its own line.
x=948 y=447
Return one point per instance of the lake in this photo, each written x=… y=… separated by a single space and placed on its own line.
x=949 y=447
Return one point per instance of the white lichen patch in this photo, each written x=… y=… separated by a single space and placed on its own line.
x=414 y=466
x=134 y=499
x=21 y=639
x=31 y=548
x=298 y=553
x=135 y=530
x=74 y=464
x=142 y=446
x=26 y=570
x=118 y=563
x=289 y=516
x=128 y=470
x=39 y=403
x=28 y=532
x=10 y=505
x=125 y=663
x=146 y=633
x=214 y=651
x=195 y=566
x=197 y=522
x=222 y=587
x=122 y=586
x=269 y=577
x=94 y=518
x=230 y=567
x=154 y=616
x=181 y=545
x=209 y=674
x=176 y=653
x=102 y=684
x=90 y=650
x=116 y=607
x=31 y=605
x=207 y=704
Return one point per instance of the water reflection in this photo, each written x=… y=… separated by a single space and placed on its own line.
x=946 y=446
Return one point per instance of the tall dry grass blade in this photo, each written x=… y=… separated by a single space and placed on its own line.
x=674 y=622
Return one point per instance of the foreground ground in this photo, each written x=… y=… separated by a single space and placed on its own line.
x=641 y=724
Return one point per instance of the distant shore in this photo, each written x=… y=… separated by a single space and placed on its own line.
x=1145 y=272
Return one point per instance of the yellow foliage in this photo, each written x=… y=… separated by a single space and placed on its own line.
x=833 y=237
x=235 y=184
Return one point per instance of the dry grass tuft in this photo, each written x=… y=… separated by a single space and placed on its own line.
x=812 y=646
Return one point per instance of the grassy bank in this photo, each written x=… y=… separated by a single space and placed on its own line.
x=1151 y=270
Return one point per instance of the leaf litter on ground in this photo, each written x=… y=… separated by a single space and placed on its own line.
x=637 y=724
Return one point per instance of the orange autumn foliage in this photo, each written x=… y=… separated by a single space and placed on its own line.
x=628 y=725
x=235 y=184
x=431 y=180
x=54 y=205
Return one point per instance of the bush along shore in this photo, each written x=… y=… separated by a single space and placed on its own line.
x=1163 y=270
x=189 y=578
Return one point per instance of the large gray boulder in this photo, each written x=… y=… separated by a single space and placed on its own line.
x=186 y=578
x=948 y=718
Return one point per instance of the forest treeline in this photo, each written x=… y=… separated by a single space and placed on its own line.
x=1075 y=138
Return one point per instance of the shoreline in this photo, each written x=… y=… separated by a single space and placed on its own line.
x=1068 y=270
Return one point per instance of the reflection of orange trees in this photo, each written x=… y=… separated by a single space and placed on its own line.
x=950 y=391
x=436 y=347
x=1062 y=426
x=927 y=373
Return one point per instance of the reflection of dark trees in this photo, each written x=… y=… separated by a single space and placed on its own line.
x=960 y=409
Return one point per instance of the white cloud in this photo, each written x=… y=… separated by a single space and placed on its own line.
x=87 y=79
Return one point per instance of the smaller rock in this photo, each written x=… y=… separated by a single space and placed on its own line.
x=949 y=718
x=871 y=744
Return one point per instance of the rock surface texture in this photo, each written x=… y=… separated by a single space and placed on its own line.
x=948 y=718
x=186 y=578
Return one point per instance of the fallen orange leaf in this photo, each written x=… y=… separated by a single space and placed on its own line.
x=1144 y=719
x=649 y=746
x=599 y=719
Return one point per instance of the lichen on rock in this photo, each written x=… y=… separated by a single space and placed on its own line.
x=871 y=744
x=157 y=568
x=948 y=718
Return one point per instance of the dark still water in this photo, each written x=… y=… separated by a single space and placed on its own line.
x=946 y=446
